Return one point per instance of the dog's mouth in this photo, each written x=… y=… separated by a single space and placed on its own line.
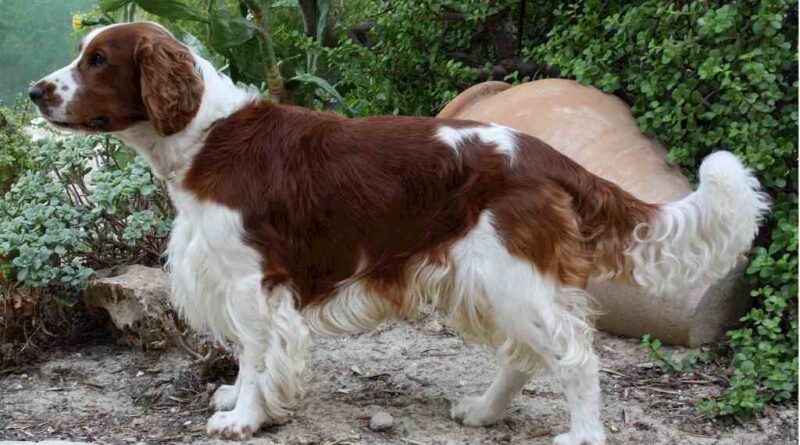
x=68 y=125
x=96 y=124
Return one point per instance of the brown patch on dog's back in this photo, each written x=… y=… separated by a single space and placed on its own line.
x=593 y=238
x=325 y=199
x=538 y=222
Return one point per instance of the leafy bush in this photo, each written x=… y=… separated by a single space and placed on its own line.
x=13 y=144
x=83 y=203
x=668 y=361
x=395 y=75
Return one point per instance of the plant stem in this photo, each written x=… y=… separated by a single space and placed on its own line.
x=210 y=7
x=274 y=80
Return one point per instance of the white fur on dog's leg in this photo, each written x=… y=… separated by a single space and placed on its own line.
x=475 y=412
x=541 y=320
x=287 y=353
x=271 y=363
x=577 y=439
x=224 y=398
x=239 y=424
x=249 y=413
x=582 y=387
x=489 y=408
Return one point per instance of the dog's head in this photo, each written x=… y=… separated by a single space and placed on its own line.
x=125 y=74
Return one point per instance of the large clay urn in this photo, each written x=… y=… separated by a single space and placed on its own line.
x=598 y=131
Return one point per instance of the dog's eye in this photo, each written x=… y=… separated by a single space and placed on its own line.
x=97 y=59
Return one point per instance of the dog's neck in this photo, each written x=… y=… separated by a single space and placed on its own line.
x=170 y=156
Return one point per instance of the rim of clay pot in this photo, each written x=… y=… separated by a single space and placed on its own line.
x=471 y=95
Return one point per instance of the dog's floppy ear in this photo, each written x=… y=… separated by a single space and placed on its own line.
x=171 y=85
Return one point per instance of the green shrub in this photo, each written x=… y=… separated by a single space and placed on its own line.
x=63 y=218
x=13 y=144
x=668 y=361
x=396 y=75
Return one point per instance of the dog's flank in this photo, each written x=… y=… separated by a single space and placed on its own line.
x=290 y=221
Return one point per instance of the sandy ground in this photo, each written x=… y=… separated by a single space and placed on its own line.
x=104 y=393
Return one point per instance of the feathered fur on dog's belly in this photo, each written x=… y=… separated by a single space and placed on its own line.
x=216 y=281
x=213 y=274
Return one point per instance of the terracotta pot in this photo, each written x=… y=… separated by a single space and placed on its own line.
x=598 y=131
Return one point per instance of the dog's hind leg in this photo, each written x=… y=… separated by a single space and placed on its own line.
x=532 y=319
x=581 y=385
x=550 y=325
x=560 y=334
x=489 y=408
x=556 y=335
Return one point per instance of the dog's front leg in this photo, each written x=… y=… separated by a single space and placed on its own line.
x=224 y=398
x=271 y=363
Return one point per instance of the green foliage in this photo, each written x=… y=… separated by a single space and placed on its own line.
x=703 y=76
x=169 y=9
x=409 y=68
x=83 y=202
x=668 y=361
x=13 y=144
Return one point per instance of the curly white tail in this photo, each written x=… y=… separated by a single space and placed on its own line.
x=699 y=238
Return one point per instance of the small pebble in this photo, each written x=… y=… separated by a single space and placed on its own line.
x=381 y=421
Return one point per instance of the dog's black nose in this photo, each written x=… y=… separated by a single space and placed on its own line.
x=36 y=93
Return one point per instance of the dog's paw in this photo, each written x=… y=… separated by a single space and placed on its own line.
x=573 y=438
x=224 y=398
x=238 y=424
x=475 y=412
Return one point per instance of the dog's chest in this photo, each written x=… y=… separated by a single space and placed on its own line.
x=209 y=263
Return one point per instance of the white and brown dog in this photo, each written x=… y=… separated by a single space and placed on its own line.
x=293 y=222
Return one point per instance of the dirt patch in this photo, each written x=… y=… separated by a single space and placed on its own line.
x=110 y=394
